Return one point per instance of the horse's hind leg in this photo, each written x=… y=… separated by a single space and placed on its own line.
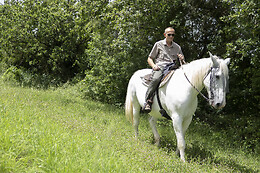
x=136 y=118
x=155 y=132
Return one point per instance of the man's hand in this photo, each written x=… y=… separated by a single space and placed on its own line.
x=156 y=68
x=181 y=57
x=151 y=63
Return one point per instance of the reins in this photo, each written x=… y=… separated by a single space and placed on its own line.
x=205 y=97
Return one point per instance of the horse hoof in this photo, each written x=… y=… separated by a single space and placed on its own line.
x=157 y=143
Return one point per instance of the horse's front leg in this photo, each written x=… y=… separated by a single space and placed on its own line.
x=177 y=124
x=153 y=122
x=185 y=126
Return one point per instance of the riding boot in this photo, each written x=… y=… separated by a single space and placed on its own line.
x=156 y=78
x=148 y=106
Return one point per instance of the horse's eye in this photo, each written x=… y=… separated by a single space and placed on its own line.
x=217 y=76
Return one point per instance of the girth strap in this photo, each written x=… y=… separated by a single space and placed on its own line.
x=162 y=111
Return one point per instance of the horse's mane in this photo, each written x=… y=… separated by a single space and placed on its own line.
x=224 y=68
x=197 y=70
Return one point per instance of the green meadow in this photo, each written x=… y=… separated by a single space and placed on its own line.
x=55 y=130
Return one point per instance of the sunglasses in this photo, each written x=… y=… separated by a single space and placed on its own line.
x=170 y=35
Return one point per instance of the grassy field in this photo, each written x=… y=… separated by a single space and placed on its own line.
x=57 y=131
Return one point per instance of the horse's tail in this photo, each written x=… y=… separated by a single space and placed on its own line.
x=129 y=103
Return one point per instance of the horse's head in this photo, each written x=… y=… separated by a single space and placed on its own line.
x=216 y=82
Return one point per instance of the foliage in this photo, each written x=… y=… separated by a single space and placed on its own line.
x=12 y=75
x=242 y=31
x=44 y=37
x=119 y=46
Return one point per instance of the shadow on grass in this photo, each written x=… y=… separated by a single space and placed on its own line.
x=203 y=155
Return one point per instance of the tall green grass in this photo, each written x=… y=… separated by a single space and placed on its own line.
x=57 y=131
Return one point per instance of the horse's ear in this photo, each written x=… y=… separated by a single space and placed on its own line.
x=214 y=60
x=210 y=54
x=227 y=61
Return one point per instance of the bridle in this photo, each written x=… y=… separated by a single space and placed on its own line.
x=205 y=97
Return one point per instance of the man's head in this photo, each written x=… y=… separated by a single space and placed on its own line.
x=169 y=34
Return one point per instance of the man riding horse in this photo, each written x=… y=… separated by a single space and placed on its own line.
x=164 y=52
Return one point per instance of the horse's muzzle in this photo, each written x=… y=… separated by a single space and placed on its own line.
x=217 y=105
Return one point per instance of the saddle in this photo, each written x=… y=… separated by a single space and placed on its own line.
x=167 y=74
x=148 y=78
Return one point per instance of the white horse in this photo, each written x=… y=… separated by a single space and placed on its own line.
x=179 y=95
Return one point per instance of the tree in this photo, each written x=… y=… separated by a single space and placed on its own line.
x=242 y=32
x=45 y=38
x=121 y=41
